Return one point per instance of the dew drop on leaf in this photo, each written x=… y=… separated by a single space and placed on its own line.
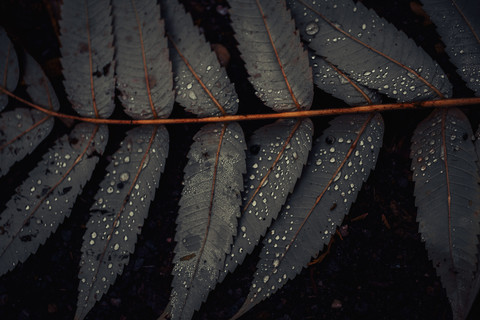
x=312 y=28
x=192 y=95
x=124 y=176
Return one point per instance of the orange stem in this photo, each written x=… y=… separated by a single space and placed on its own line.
x=444 y=103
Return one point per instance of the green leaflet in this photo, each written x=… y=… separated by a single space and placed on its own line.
x=87 y=56
x=143 y=70
x=275 y=159
x=458 y=25
x=207 y=219
x=444 y=165
x=332 y=80
x=47 y=196
x=369 y=49
x=39 y=87
x=21 y=129
x=340 y=161
x=275 y=59
x=117 y=216
x=9 y=71
x=201 y=84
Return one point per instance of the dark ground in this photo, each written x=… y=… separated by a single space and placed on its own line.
x=379 y=270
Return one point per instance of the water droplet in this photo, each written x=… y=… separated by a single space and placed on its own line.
x=109 y=190
x=311 y=28
x=276 y=262
x=265 y=279
x=192 y=95
x=124 y=176
x=116 y=246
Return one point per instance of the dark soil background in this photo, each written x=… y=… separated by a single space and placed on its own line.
x=378 y=270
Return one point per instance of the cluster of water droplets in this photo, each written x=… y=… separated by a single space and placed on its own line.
x=18 y=129
x=456 y=27
x=428 y=151
x=322 y=197
x=46 y=197
x=445 y=172
x=274 y=164
x=140 y=57
x=438 y=144
x=277 y=65
x=207 y=218
x=339 y=84
x=198 y=77
x=395 y=66
x=195 y=94
x=120 y=208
